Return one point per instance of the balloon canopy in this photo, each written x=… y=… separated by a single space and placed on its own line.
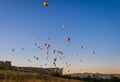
x=68 y=39
x=45 y=3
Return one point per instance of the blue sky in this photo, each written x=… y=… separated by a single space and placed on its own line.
x=94 y=24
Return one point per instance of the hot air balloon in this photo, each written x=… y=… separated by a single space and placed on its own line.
x=12 y=50
x=37 y=58
x=48 y=46
x=63 y=26
x=54 y=51
x=55 y=59
x=81 y=46
x=35 y=44
x=45 y=44
x=68 y=39
x=49 y=38
x=41 y=65
x=45 y=3
x=38 y=46
x=22 y=49
x=80 y=60
x=93 y=52
x=34 y=56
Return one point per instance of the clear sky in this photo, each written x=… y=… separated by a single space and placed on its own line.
x=94 y=24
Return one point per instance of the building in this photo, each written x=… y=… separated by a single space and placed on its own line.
x=7 y=66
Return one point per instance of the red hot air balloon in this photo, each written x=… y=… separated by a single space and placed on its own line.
x=68 y=39
x=81 y=46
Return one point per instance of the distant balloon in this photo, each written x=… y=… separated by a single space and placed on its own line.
x=77 y=54
x=63 y=26
x=38 y=46
x=37 y=58
x=68 y=39
x=93 y=52
x=55 y=59
x=41 y=65
x=81 y=46
x=35 y=44
x=49 y=38
x=54 y=51
x=22 y=49
x=47 y=46
x=34 y=56
x=12 y=50
x=45 y=3
x=68 y=70
x=80 y=60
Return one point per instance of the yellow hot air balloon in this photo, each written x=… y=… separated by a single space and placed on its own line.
x=45 y=3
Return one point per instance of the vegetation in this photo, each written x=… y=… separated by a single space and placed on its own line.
x=19 y=76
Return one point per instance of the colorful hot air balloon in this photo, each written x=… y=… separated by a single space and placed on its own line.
x=45 y=3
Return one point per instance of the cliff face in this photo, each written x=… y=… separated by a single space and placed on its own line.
x=7 y=66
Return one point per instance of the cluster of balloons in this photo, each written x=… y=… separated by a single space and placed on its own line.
x=47 y=47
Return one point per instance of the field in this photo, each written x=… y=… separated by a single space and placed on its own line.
x=18 y=76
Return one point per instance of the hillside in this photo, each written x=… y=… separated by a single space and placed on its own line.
x=18 y=76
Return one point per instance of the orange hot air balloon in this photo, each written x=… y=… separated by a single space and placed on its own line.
x=68 y=39
x=45 y=3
